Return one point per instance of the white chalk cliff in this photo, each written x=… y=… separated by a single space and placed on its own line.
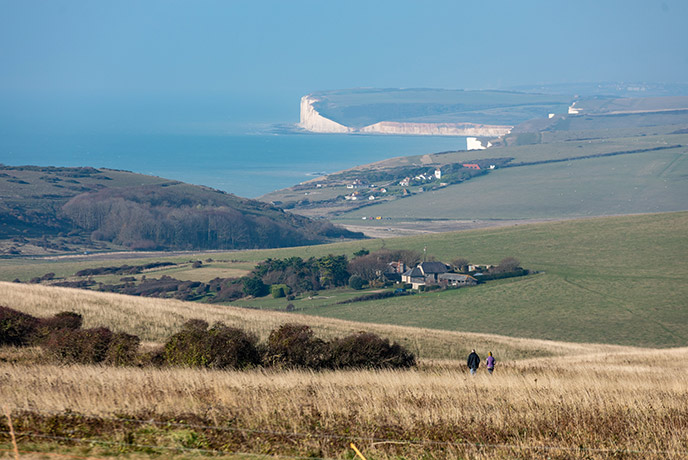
x=312 y=121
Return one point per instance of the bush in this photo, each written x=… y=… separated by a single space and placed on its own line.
x=294 y=345
x=82 y=346
x=255 y=287
x=218 y=347
x=356 y=282
x=367 y=350
x=279 y=290
x=65 y=320
x=16 y=328
x=123 y=350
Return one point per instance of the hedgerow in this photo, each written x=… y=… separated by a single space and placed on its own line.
x=198 y=345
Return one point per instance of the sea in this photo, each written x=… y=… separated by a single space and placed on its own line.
x=248 y=158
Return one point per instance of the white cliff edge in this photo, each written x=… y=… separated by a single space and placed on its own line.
x=312 y=121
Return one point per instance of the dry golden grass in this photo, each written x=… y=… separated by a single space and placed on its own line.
x=156 y=319
x=545 y=408
x=545 y=400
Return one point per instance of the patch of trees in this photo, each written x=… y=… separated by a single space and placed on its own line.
x=199 y=345
x=169 y=215
x=371 y=266
x=301 y=275
x=156 y=217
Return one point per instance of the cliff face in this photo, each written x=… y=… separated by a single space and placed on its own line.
x=437 y=129
x=312 y=121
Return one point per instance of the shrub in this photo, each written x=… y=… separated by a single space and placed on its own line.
x=294 y=345
x=279 y=290
x=290 y=307
x=356 y=282
x=368 y=350
x=232 y=347
x=218 y=347
x=16 y=328
x=82 y=346
x=65 y=320
x=123 y=350
x=255 y=287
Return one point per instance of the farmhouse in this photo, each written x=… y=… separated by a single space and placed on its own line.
x=424 y=273
x=471 y=166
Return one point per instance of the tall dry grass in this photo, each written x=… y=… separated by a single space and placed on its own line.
x=631 y=404
x=156 y=319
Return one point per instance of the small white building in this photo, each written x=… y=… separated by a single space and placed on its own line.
x=438 y=173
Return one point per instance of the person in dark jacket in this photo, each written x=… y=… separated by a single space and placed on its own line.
x=473 y=362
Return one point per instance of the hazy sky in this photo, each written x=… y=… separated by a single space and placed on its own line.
x=279 y=50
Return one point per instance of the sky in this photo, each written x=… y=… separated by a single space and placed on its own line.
x=263 y=55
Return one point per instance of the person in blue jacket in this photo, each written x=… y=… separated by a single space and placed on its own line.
x=473 y=362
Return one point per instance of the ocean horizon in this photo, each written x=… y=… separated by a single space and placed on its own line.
x=244 y=145
x=248 y=165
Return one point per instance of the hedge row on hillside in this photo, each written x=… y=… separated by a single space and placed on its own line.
x=199 y=345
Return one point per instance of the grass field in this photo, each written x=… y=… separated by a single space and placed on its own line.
x=624 y=184
x=616 y=280
x=156 y=319
x=626 y=404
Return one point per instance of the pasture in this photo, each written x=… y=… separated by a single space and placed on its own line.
x=616 y=280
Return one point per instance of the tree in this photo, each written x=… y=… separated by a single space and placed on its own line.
x=356 y=282
x=362 y=252
x=460 y=264
x=255 y=287
x=508 y=264
x=333 y=270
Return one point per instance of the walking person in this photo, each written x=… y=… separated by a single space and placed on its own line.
x=490 y=363
x=473 y=362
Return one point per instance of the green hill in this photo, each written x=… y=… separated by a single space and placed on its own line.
x=621 y=280
x=615 y=280
x=63 y=209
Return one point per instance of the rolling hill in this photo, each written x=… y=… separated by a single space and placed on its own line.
x=67 y=209
x=615 y=280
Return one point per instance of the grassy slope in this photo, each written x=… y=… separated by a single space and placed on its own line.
x=615 y=280
x=156 y=319
x=624 y=184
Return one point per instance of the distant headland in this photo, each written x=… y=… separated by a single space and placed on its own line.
x=429 y=112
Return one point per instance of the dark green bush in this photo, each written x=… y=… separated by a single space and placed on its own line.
x=279 y=290
x=356 y=282
x=218 y=347
x=16 y=328
x=294 y=345
x=255 y=287
x=368 y=350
